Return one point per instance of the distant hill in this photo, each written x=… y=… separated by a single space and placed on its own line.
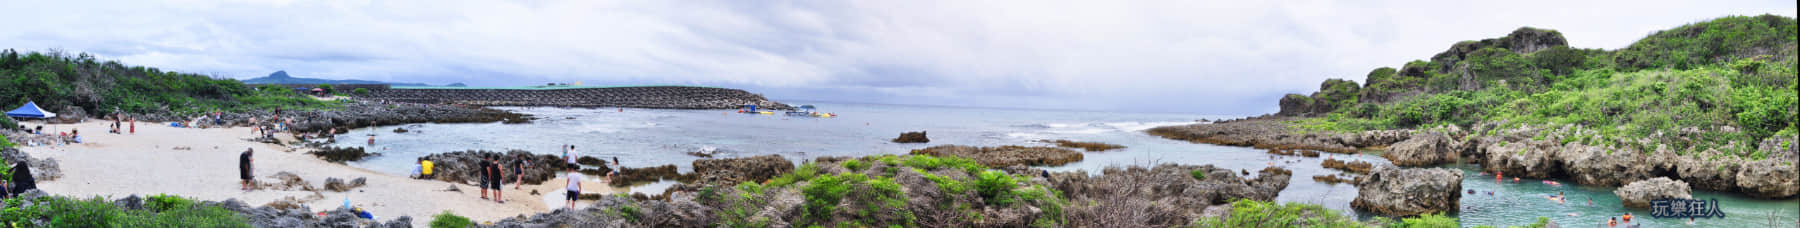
x=281 y=77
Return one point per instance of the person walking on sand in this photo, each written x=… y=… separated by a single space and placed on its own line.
x=133 y=125
x=574 y=183
x=518 y=168
x=244 y=166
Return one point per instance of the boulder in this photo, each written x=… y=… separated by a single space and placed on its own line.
x=912 y=137
x=1639 y=194
x=1770 y=178
x=1394 y=191
x=1004 y=156
x=336 y=185
x=341 y=154
x=1424 y=149
x=731 y=171
x=285 y=181
x=1351 y=166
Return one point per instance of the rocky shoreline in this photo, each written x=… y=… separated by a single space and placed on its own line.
x=1160 y=196
x=1528 y=151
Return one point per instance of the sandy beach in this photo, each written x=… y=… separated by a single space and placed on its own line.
x=148 y=163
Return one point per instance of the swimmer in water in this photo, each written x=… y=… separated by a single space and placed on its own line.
x=1515 y=179
x=1471 y=191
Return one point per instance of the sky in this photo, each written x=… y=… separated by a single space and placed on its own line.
x=1191 y=56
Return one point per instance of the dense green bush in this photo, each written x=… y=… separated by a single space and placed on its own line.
x=162 y=211
x=1732 y=72
x=450 y=220
x=360 y=91
x=995 y=187
x=1198 y=174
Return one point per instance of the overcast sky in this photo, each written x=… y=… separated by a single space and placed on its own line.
x=1211 y=57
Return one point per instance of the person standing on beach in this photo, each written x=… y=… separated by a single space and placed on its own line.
x=496 y=175
x=486 y=166
x=574 y=183
x=134 y=125
x=244 y=161
x=569 y=155
x=519 y=171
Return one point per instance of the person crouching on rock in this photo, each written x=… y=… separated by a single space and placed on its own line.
x=425 y=167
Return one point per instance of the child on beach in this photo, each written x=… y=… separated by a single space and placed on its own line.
x=574 y=183
x=425 y=169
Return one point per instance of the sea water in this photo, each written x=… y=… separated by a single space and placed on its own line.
x=653 y=137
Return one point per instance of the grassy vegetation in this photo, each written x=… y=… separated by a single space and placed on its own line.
x=450 y=220
x=159 y=211
x=55 y=80
x=869 y=195
x=1734 y=72
x=1251 y=213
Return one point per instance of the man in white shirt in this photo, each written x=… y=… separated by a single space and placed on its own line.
x=574 y=183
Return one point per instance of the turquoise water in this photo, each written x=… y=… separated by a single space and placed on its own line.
x=1526 y=199
x=648 y=137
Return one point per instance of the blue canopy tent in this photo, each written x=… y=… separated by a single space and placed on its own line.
x=30 y=110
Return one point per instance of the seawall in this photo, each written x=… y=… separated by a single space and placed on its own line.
x=663 y=97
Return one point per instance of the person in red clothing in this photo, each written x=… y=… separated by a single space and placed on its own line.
x=133 y=125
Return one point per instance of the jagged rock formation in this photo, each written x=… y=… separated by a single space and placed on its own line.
x=41 y=169
x=912 y=137
x=1004 y=156
x=733 y=171
x=667 y=97
x=1271 y=133
x=463 y=166
x=1409 y=191
x=1639 y=194
x=1423 y=150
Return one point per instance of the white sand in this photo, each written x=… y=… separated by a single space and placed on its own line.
x=146 y=163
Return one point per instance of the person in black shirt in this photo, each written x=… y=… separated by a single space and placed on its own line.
x=495 y=174
x=486 y=166
x=244 y=168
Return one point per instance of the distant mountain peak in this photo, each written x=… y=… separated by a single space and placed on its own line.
x=282 y=77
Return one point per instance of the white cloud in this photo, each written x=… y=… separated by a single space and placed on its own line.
x=1191 y=56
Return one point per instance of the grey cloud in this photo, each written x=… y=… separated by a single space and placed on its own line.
x=1176 y=56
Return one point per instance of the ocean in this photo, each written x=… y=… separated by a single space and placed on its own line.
x=652 y=137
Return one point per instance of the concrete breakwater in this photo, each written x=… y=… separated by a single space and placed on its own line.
x=664 y=97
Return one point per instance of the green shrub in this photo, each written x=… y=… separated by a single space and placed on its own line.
x=805 y=172
x=1198 y=174
x=450 y=220
x=360 y=91
x=945 y=184
x=823 y=194
x=854 y=165
x=995 y=187
x=1432 y=220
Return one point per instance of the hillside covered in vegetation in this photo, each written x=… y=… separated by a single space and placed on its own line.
x=1725 y=84
x=58 y=81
